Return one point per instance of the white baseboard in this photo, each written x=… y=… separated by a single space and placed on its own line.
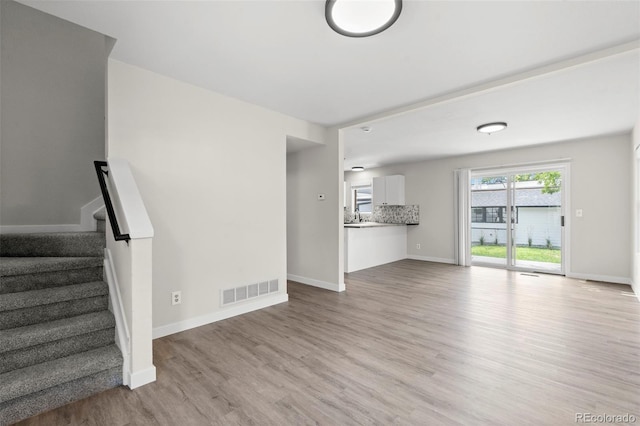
x=634 y=287
x=317 y=283
x=238 y=309
x=603 y=278
x=432 y=259
x=87 y=222
x=141 y=378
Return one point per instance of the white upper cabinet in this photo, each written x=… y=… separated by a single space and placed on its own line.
x=379 y=190
x=395 y=190
x=388 y=190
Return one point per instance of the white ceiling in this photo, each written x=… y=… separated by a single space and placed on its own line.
x=596 y=98
x=296 y=144
x=283 y=56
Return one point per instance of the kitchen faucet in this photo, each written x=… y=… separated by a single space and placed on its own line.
x=358 y=218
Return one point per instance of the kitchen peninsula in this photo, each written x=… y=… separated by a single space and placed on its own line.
x=368 y=244
x=375 y=222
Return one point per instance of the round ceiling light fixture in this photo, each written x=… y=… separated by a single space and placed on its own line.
x=366 y=129
x=357 y=169
x=492 y=127
x=361 y=18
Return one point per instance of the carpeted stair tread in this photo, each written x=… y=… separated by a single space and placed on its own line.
x=100 y=214
x=27 y=406
x=21 y=358
x=16 y=283
x=57 y=337
x=28 y=299
x=53 y=244
x=11 y=266
x=37 y=334
x=101 y=220
x=52 y=311
x=37 y=377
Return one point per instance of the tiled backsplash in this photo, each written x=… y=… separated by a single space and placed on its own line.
x=388 y=214
x=397 y=214
x=351 y=217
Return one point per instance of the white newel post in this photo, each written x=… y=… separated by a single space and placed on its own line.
x=130 y=272
x=142 y=369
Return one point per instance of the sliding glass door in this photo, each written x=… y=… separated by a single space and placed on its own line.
x=517 y=220
x=489 y=219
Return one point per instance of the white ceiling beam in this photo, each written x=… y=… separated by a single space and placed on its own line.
x=499 y=83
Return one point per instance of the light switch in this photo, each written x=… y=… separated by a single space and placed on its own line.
x=579 y=213
x=321 y=197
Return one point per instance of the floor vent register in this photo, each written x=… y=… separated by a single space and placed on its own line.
x=238 y=294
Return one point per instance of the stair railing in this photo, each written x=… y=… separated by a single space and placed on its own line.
x=129 y=269
x=101 y=172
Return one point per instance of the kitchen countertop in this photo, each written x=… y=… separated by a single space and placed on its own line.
x=370 y=224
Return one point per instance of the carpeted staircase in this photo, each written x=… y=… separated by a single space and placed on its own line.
x=56 y=332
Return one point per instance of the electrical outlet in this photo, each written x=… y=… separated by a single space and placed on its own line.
x=176 y=297
x=418 y=246
x=321 y=197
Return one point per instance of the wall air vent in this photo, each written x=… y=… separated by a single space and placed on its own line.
x=228 y=296
x=238 y=294
x=252 y=290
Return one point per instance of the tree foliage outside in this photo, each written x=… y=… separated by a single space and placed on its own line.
x=550 y=181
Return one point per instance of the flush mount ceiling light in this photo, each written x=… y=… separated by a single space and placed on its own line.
x=357 y=169
x=361 y=18
x=492 y=127
x=366 y=129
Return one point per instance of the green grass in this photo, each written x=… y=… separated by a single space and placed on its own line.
x=522 y=253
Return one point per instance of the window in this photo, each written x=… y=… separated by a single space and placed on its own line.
x=489 y=215
x=494 y=214
x=477 y=214
x=362 y=198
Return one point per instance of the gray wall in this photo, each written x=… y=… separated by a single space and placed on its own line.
x=600 y=185
x=212 y=173
x=314 y=227
x=635 y=207
x=53 y=116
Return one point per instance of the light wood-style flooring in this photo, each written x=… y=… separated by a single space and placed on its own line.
x=408 y=343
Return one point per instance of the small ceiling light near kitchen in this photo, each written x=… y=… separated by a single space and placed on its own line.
x=361 y=18
x=491 y=127
x=357 y=168
x=366 y=129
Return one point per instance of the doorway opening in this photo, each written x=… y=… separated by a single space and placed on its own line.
x=516 y=218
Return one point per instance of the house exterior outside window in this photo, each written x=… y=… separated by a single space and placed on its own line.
x=533 y=211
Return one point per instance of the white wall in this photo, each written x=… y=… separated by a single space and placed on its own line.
x=600 y=186
x=212 y=173
x=635 y=208
x=314 y=227
x=52 y=123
